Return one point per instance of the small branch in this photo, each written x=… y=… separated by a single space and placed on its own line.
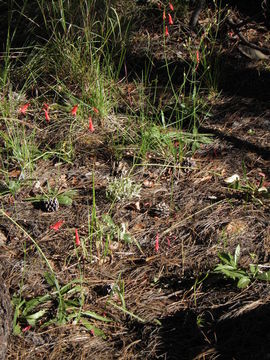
x=244 y=40
x=196 y=13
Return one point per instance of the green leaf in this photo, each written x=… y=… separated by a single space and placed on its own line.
x=95 y=316
x=157 y=322
x=72 y=303
x=229 y=271
x=163 y=119
x=127 y=238
x=31 y=319
x=69 y=289
x=90 y=327
x=50 y=278
x=220 y=268
x=124 y=310
x=14 y=185
x=263 y=276
x=240 y=273
x=237 y=254
x=51 y=321
x=243 y=282
x=227 y=258
x=16 y=300
x=37 y=198
x=31 y=304
x=17 y=330
x=64 y=200
x=253 y=269
x=16 y=327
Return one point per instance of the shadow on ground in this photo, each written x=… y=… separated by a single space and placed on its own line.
x=245 y=336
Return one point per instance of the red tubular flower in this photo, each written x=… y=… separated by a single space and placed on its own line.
x=198 y=56
x=197 y=59
x=26 y=328
x=46 y=111
x=170 y=19
x=57 y=225
x=171 y=6
x=166 y=31
x=169 y=242
x=74 y=110
x=91 y=127
x=47 y=117
x=23 y=108
x=164 y=15
x=77 y=238
x=95 y=110
x=157 y=243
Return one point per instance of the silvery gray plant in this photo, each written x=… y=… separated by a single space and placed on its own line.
x=122 y=189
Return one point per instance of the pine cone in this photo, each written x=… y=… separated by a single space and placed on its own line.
x=188 y=165
x=51 y=205
x=119 y=168
x=159 y=209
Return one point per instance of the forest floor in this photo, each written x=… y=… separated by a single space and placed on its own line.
x=139 y=283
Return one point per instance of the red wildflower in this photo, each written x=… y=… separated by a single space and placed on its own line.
x=157 y=243
x=91 y=127
x=164 y=15
x=23 y=108
x=74 y=110
x=171 y=6
x=198 y=56
x=46 y=111
x=92 y=332
x=166 y=31
x=170 y=19
x=26 y=328
x=95 y=110
x=197 y=59
x=77 y=239
x=57 y=225
x=47 y=117
x=169 y=242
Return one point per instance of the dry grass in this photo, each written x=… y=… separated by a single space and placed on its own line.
x=167 y=302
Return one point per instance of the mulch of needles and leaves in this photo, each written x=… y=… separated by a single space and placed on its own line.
x=135 y=180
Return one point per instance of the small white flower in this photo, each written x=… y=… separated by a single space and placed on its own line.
x=232 y=179
x=37 y=185
x=262 y=189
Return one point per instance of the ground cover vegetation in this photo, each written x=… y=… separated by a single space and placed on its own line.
x=134 y=179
